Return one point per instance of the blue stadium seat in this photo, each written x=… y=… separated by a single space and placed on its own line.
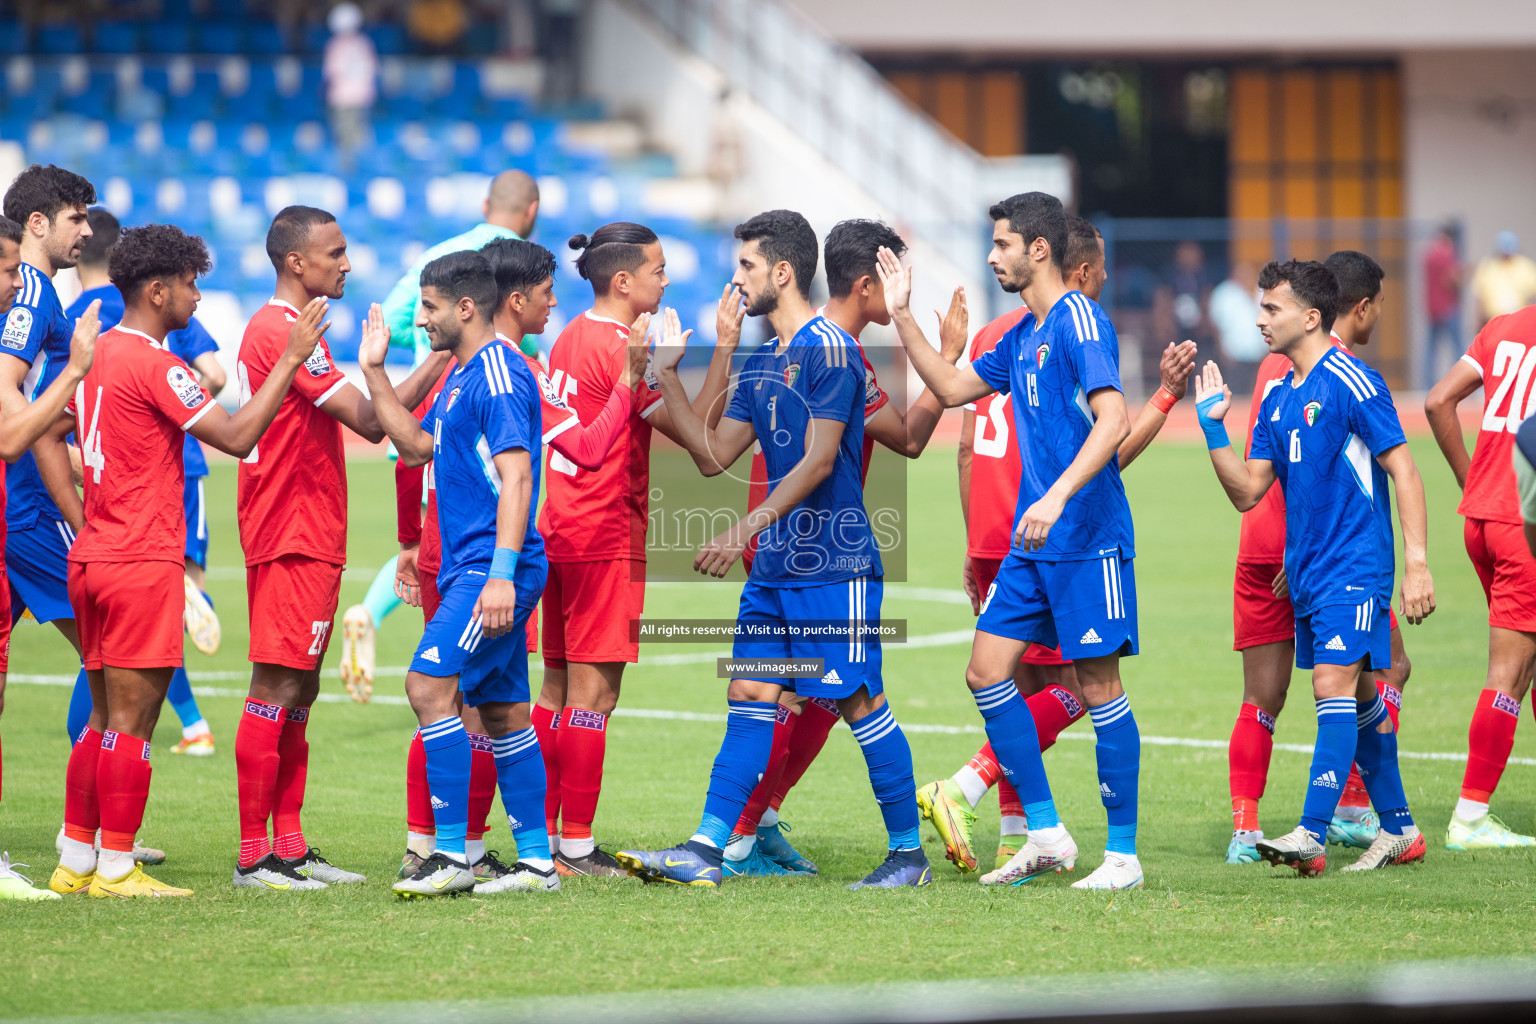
x=13 y=37
x=172 y=35
x=221 y=37
x=120 y=37
x=265 y=39
x=388 y=38
x=314 y=37
x=58 y=39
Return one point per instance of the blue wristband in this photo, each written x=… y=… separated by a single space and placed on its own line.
x=1215 y=430
x=503 y=564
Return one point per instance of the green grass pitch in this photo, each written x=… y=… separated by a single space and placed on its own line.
x=228 y=949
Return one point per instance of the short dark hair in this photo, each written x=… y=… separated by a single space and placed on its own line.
x=290 y=231
x=155 y=252
x=465 y=274
x=518 y=266
x=851 y=250
x=10 y=230
x=1033 y=215
x=610 y=249
x=1358 y=275
x=104 y=233
x=1312 y=283
x=784 y=236
x=1082 y=243
x=46 y=190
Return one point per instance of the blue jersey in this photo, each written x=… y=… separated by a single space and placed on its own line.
x=1050 y=369
x=819 y=375
x=487 y=407
x=1323 y=436
x=38 y=333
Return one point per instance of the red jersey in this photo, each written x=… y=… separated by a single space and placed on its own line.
x=1504 y=356
x=995 y=465
x=593 y=515
x=1261 y=538
x=293 y=486
x=131 y=411
x=429 y=558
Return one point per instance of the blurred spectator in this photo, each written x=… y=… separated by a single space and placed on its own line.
x=351 y=73
x=558 y=46
x=437 y=25
x=1235 y=314
x=1505 y=281
x=1442 y=299
x=1179 y=307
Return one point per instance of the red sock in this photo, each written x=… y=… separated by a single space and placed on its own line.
x=583 y=739
x=984 y=763
x=1489 y=741
x=418 y=796
x=1394 y=698
x=482 y=784
x=122 y=786
x=1248 y=754
x=82 y=811
x=1008 y=803
x=1354 y=794
x=757 y=803
x=2 y=773
x=1054 y=708
x=256 y=767
x=816 y=721
x=292 y=772
x=546 y=724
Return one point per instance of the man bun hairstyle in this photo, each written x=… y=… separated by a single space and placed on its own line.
x=1082 y=243
x=155 y=252
x=461 y=275
x=518 y=266
x=610 y=249
x=290 y=231
x=1358 y=275
x=784 y=236
x=1311 y=282
x=46 y=190
x=851 y=251
x=105 y=230
x=1033 y=215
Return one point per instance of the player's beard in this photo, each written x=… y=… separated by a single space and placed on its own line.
x=443 y=340
x=765 y=302
x=1017 y=278
x=64 y=257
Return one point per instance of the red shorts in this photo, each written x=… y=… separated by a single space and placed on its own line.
x=1258 y=616
x=985 y=570
x=293 y=605
x=129 y=614
x=5 y=620
x=1507 y=571
x=588 y=607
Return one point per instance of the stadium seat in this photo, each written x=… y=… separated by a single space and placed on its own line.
x=265 y=39
x=117 y=37
x=388 y=39
x=58 y=39
x=13 y=37
x=221 y=37
x=171 y=35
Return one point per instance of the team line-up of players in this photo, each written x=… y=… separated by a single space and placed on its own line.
x=1053 y=583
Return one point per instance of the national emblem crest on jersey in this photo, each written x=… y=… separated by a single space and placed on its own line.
x=317 y=364
x=184 y=387
x=1311 y=411
x=791 y=374
x=453 y=396
x=1041 y=355
x=18 y=325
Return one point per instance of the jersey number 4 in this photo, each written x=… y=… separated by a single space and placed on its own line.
x=1511 y=402
x=90 y=446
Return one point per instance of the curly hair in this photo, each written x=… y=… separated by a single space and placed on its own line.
x=46 y=190
x=155 y=252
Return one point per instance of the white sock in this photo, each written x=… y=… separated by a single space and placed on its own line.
x=740 y=847
x=700 y=837
x=474 y=849
x=542 y=863
x=1355 y=814
x=77 y=856
x=196 y=729
x=1470 y=810
x=1054 y=834
x=1015 y=825
x=457 y=858
x=554 y=844
x=112 y=865
x=420 y=843
x=971 y=784
x=769 y=819
x=573 y=848
x=1248 y=836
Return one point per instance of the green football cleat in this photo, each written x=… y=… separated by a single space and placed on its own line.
x=943 y=804
x=1359 y=834
x=16 y=886
x=1485 y=833
x=1007 y=846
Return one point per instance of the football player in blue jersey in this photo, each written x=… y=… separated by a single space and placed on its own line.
x=817 y=565
x=1329 y=435
x=483 y=437
x=1068 y=579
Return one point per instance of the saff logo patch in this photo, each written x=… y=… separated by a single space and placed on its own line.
x=1311 y=411
x=18 y=327
x=1041 y=355
x=550 y=394
x=184 y=387
x=317 y=364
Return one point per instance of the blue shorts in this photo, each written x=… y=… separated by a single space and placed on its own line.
x=1086 y=607
x=823 y=622
x=1342 y=634
x=196 y=507
x=37 y=561
x=489 y=670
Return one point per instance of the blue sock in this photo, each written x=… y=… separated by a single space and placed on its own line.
x=738 y=767
x=79 y=707
x=1119 y=755
x=1011 y=730
x=1376 y=755
x=180 y=696
x=520 y=776
x=889 y=758
x=448 y=757
x=1331 y=758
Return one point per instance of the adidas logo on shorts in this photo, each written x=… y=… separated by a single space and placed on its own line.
x=1327 y=779
x=1091 y=637
x=1336 y=644
x=430 y=654
x=832 y=678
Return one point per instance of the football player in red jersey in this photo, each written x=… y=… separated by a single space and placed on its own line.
x=126 y=566
x=594 y=524
x=292 y=510
x=989 y=485
x=1500 y=361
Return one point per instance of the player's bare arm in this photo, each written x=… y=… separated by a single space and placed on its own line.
x=497 y=605
x=25 y=423
x=1175 y=366
x=210 y=373
x=714 y=449
x=950 y=384
x=710 y=403
x=717 y=557
x=356 y=411
x=237 y=434
x=963 y=458
x=395 y=419
x=909 y=433
x=1244 y=482
x=1111 y=426
x=1418 y=592
x=1440 y=408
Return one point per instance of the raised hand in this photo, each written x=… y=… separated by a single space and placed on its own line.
x=673 y=343
x=374 y=347
x=1175 y=366
x=1212 y=397
x=895 y=279
x=728 y=317
x=637 y=353
x=954 y=326
x=309 y=328
x=82 y=347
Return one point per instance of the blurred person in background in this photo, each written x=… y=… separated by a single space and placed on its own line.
x=351 y=72
x=1179 y=306
x=1442 y=299
x=1234 y=314
x=437 y=25
x=1505 y=281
